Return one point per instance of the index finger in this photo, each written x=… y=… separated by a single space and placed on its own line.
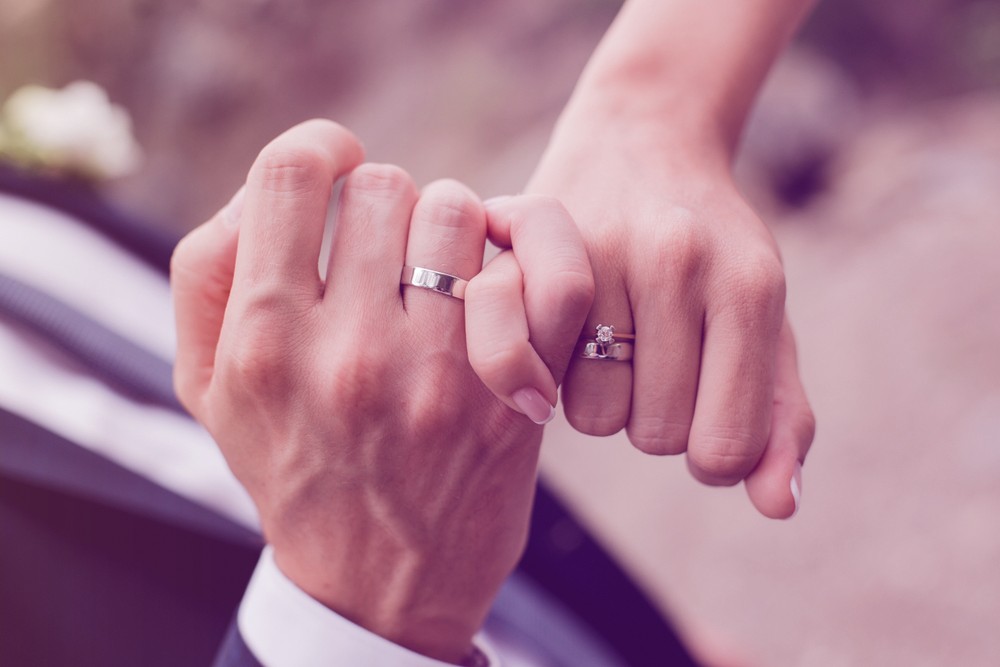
x=284 y=213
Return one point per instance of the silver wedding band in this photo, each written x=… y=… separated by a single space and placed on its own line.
x=613 y=352
x=605 y=344
x=436 y=281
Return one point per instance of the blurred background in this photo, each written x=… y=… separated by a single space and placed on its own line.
x=874 y=152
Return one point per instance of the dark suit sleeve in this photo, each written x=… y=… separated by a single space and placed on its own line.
x=234 y=651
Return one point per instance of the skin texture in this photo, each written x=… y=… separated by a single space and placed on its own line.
x=393 y=485
x=641 y=159
x=387 y=450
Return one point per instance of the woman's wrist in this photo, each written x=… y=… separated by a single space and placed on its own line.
x=661 y=132
x=643 y=90
x=664 y=121
x=688 y=71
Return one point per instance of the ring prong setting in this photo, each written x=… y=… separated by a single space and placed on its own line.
x=605 y=334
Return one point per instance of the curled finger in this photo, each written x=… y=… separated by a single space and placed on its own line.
x=497 y=336
x=557 y=276
x=775 y=485
x=201 y=277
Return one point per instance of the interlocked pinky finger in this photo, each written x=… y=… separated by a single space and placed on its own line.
x=498 y=340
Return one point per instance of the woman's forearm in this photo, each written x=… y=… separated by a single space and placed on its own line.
x=692 y=65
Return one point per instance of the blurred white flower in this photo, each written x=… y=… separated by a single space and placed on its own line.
x=74 y=130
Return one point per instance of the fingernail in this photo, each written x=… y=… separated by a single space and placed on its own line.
x=533 y=405
x=495 y=201
x=796 y=486
x=231 y=211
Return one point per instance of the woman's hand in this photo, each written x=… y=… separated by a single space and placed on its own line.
x=394 y=487
x=683 y=262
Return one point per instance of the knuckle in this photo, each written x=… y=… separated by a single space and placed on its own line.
x=725 y=456
x=589 y=414
x=267 y=301
x=194 y=265
x=491 y=284
x=359 y=381
x=571 y=293
x=261 y=360
x=759 y=281
x=433 y=413
x=288 y=169
x=428 y=415
x=607 y=246
x=681 y=248
x=448 y=203
x=589 y=423
x=255 y=366
x=380 y=180
x=658 y=436
x=578 y=285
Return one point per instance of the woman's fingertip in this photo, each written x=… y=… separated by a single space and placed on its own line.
x=795 y=484
x=534 y=406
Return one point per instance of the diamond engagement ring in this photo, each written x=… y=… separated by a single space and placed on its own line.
x=605 y=344
x=445 y=283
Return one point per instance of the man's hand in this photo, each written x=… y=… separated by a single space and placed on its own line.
x=393 y=485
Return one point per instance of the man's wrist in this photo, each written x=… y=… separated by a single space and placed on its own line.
x=285 y=626
x=383 y=600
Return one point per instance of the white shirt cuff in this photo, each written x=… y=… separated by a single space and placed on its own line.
x=284 y=627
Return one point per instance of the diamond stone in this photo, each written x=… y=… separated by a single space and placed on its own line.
x=605 y=334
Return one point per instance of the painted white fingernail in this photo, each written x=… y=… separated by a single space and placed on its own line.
x=231 y=211
x=533 y=405
x=796 y=486
x=495 y=201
